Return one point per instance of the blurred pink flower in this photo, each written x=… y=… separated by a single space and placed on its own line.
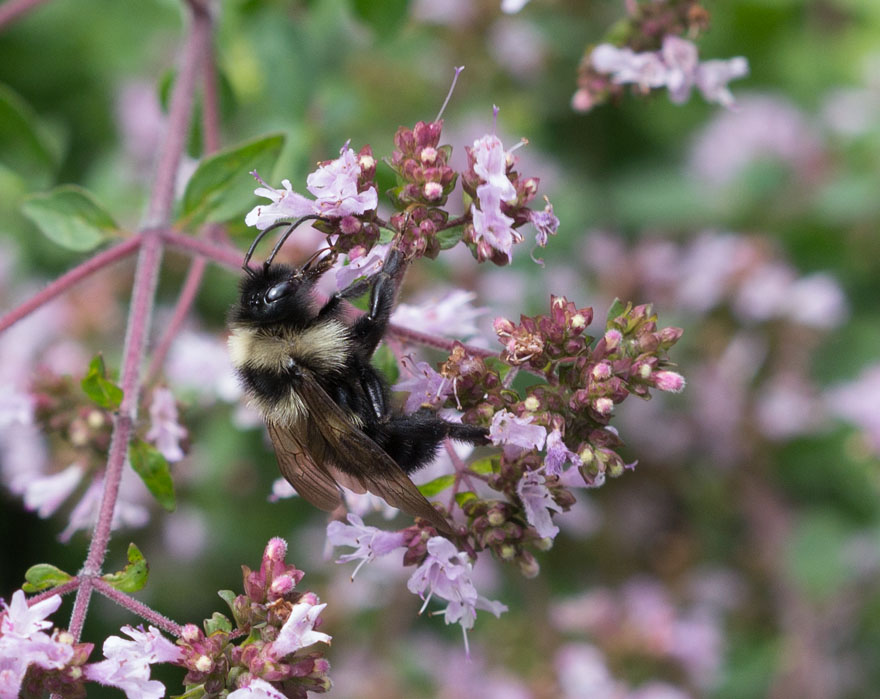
x=582 y=672
x=450 y=314
x=761 y=127
x=518 y=47
x=46 y=493
x=858 y=402
x=165 y=430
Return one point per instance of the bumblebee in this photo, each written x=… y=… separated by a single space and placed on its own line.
x=327 y=409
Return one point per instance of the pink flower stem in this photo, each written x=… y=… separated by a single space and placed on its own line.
x=420 y=338
x=69 y=586
x=140 y=312
x=68 y=279
x=10 y=11
x=225 y=255
x=139 y=608
x=193 y=281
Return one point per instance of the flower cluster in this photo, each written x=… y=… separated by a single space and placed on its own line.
x=443 y=571
x=33 y=662
x=500 y=203
x=676 y=66
x=78 y=420
x=649 y=50
x=283 y=653
x=554 y=435
x=346 y=200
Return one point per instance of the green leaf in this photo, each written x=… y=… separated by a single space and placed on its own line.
x=71 y=217
x=438 y=485
x=499 y=367
x=216 y=623
x=153 y=469
x=134 y=576
x=385 y=361
x=222 y=188
x=228 y=596
x=99 y=387
x=617 y=308
x=43 y=576
x=384 y=17
x=484 y=466
x=24 y=149
x=464 y=496
x=449 y=237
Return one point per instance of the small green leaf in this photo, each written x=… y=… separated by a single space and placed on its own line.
x=484 y=466
x=617 y=308
x=71 y=217
x=228 y=596
x=43 y=576
x=438 y=485
x=24 y=148
x=193 y=692
x=449 y=237
x=222 y=188
x=99 y=387
x=216 y=623
x=496 y=365
x=465 y=496
x=134 y=576
x=385 y=361
x=152 y=467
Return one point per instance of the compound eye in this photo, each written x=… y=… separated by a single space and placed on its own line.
x=277 y=291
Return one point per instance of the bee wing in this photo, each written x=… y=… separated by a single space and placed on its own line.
x=310 y=479
x=374 y=469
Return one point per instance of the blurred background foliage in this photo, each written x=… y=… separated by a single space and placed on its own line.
x=740 y=558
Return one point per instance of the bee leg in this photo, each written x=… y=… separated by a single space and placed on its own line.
x=412 y=440
x=369 y=328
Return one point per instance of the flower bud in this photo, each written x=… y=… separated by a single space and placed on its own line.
x=282 y=585
x=613 y=339
x=507 y=552
x=531 y=404
x=669 y=381
x=349 y=225
x=602 y=371
x=190 y=633
x=603 y=406
x=428 y=155
x=203 y=663
x=276 y=549
x=528 y=565
x=433 y=190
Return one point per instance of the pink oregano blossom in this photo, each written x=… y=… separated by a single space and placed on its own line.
x=128 y=662
x=24 y=642
x=446 y=573
x=334 y=186
x=676 y=66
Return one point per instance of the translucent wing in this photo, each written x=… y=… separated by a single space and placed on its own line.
x=298 y=466
x=360 y=458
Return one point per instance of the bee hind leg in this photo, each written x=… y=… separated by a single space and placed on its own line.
x=413 y=440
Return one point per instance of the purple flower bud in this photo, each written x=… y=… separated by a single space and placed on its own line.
x=276 y=549
x=613 y=338
x=603 y=406
x=433 y=191
x=669 y=381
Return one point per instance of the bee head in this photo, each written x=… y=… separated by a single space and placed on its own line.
x=274 y=293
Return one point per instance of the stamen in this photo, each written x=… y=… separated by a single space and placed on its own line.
x=495 y=110
x=449 y=94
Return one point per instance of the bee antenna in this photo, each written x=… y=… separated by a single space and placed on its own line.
x=262 y=234
x=284 y=236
